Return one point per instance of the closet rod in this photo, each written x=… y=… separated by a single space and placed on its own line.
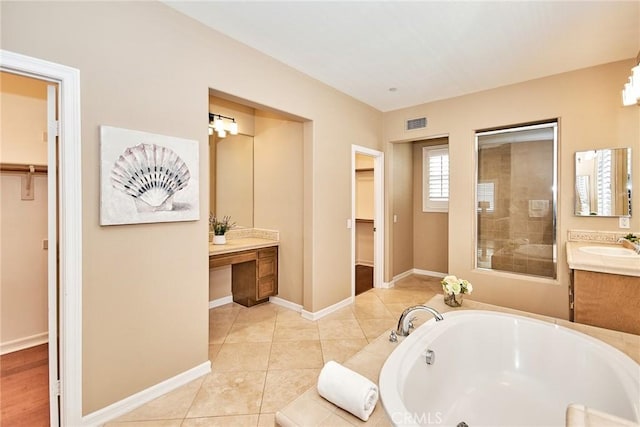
x=15 y=167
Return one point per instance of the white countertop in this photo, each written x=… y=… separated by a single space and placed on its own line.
x=579 y=260
x=241 y=244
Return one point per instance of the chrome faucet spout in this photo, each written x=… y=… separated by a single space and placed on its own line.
x=406 y=318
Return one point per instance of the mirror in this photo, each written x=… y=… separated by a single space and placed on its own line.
x=603 y=182
x=234 y=179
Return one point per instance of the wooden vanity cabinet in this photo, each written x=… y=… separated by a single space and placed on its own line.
x=610 y=301
x=254 y=274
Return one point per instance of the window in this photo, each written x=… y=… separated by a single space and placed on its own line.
x=435 y=179
x=486 y=198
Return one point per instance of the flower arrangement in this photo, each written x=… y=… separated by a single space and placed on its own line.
x=454 y=288
x=219 y=227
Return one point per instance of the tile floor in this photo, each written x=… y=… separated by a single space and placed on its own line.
x=265 y=356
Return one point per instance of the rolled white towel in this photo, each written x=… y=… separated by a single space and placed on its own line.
x=348 y=389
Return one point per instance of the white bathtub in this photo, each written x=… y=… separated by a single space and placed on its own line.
x=494 y=369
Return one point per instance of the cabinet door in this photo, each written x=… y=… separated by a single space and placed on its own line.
x=266 y=287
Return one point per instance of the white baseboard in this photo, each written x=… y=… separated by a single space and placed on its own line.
x=365 y=263
x=429 y=273
x=411 y=272
x=327 y=310
x=387 y=285
x=286 y=304
x=22 y=343
x=134 y=401
x=221 y=301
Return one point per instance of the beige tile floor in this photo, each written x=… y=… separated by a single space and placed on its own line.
x=265 y=356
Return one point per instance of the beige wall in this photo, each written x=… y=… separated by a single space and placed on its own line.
x=145 y=287
x=400 y=191
x=587 y=104
x=23 y=223
x=23 y=279
x=219 y=282
x=23 y=103
x=278 y=198
x=430 y=237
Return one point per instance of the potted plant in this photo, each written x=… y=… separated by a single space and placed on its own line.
x=219 y=227
x=454 y=289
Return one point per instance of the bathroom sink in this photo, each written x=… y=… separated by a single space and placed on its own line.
x=616 y=251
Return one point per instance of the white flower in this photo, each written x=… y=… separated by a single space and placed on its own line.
x=467 y=287
x=453 y=285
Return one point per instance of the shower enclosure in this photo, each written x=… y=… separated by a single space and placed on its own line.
x=516 y=199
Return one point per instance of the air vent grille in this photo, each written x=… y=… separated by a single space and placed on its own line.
x=419 y=123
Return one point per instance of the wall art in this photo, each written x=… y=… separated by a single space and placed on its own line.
x=146 y=177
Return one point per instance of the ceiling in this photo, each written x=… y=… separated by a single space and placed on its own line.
x=395 y=54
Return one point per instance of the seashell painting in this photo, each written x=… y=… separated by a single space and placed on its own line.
x=151 y=174
x=147 y=177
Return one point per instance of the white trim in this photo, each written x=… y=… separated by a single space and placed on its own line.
x=429 y=273
x=402 y=275
x=388 y=285
x=69 y=309
x=366 y=263
x=411 y=272
x=286 y=304
x=220 y=301
x=134 y=401
x=428 y=152
x=25 y=342
x=327 y=310
x=379 y=223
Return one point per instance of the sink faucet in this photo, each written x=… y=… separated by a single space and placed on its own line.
x=636 y=246
x=406 y=318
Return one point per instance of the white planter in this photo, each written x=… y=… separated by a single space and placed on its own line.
x=219 y=239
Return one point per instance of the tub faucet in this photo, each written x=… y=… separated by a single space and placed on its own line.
x=406 y=318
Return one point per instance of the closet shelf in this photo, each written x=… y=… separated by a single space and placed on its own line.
x=18 y=167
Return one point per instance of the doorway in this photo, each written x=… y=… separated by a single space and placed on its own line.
x=64 y=232
x=25 y=245
x=367 y=223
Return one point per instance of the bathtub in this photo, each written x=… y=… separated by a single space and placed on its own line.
x=494 y=369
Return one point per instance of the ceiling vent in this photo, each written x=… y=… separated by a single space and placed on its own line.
x=414 y=124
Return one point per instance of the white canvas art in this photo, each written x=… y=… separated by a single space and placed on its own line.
x=145 y=177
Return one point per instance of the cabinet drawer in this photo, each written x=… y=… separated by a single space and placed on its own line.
x=266 y=267
x=232 y=258
x=267 y=252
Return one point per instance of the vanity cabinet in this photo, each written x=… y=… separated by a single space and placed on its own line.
x=610 y=301
x=254 y=274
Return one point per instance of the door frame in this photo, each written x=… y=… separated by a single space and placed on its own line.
x=378 y=222
x=64 y=297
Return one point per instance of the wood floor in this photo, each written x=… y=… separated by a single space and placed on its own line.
x=364 y=278
x=24 y=388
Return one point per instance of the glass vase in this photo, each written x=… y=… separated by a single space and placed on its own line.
x=453 y=300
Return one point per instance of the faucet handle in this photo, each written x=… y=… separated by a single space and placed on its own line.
x=393 y=337
x=410 y=323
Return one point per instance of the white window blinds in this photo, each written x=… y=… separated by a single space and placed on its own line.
x=435 y=173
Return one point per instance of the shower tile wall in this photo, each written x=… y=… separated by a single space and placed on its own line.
x=522 y=177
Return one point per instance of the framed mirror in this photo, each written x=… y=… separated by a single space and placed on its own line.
x=603 y=182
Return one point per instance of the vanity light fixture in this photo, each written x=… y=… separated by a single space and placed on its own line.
x=218 y=124
x=631 y=91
